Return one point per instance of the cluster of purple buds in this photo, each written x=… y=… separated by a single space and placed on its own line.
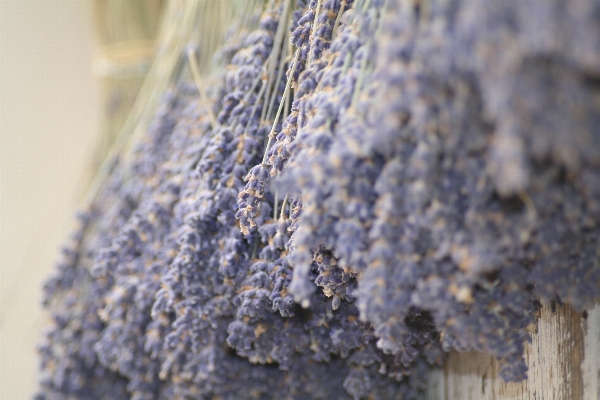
x=335 y=231
x=251 y=198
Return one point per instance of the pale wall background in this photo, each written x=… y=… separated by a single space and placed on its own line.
x=49 y=107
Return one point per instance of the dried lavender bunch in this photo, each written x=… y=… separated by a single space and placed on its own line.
x=259 y=333
x=426 y=196
x=211 y=278
x=76 y=296
x=201 y=280
x=408 y=190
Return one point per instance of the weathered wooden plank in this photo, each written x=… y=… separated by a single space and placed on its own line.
x=591 y=359
x=563 y=360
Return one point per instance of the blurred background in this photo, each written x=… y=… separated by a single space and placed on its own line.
x=69 y=73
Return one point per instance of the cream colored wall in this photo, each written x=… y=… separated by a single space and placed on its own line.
x=49 y=102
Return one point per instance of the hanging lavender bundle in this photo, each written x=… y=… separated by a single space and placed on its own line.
x=366 y=186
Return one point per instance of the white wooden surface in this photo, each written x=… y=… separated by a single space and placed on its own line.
x=563 y=360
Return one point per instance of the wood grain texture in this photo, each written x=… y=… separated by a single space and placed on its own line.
x=563 y=360
x=591 y=358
